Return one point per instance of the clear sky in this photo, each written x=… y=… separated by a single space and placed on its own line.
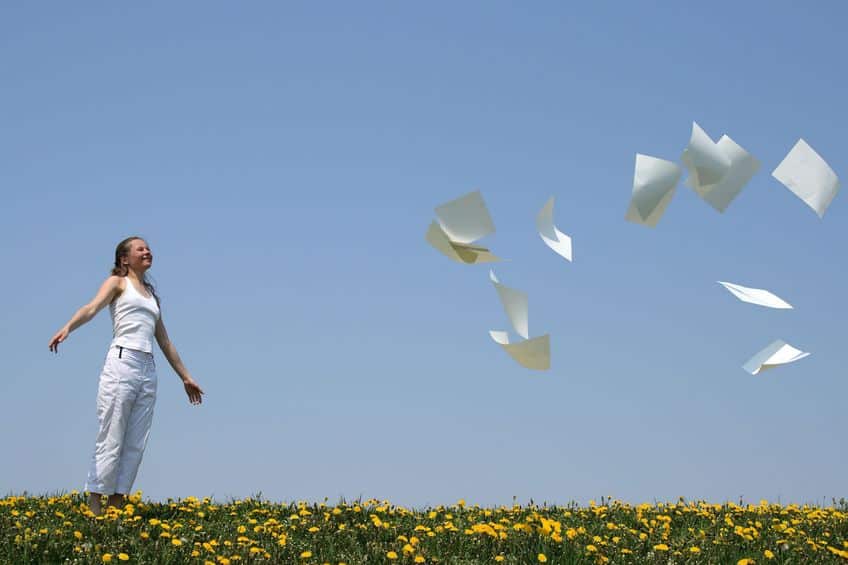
x=283 y=161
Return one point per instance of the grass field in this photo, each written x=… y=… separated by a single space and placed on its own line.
x=61 y=529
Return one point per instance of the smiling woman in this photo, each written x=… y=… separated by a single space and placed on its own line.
x=127 y=390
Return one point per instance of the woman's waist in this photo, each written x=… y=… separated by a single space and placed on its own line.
x=119 y=351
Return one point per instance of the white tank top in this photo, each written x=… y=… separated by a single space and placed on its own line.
x=133 y=319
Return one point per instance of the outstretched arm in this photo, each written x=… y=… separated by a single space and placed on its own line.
x=104 y=296
x=192 y=389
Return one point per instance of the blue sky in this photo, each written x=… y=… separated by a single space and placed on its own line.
x=283 y=162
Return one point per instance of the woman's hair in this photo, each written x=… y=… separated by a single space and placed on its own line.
x=122 y=250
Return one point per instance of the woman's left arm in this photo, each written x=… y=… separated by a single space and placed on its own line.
x=192 y=389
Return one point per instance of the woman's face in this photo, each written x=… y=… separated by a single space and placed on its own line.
x=139 y=258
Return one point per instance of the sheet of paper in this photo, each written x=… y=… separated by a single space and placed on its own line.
x=654 y=181
x=743 y=167
x=705 y=160
x=808 y=176
x=465 y=219
x=458 y=252
x=632 y=214
x=531 y=353
x=460 y=223
x=756 y=296
x=777 y=353
x=515 y=303
x=553 y=238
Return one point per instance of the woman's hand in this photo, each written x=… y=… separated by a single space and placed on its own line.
x=193 y=391
x=60 y=336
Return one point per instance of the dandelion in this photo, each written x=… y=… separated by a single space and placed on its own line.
x=176 y=542
x=542 y=558
x=768 y=554
x=745 y=561
x=591 y=548
x=695 y=549
x=123 y=557
x=661 y=547
x=78 y=535
x=499 y=558
x=419 y=559
x=306 y=555
x=107 y=558
x=392 y=555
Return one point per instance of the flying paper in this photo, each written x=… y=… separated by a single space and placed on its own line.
x=743 y=166
x=515 y=304
x=531 y=353
x=461 y=222
x=756 y=296
x=807 y=175
x=654 y=182
x=778 y=353
x=706 y=161
x=552 y=237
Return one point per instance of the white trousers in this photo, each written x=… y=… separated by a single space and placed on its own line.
x=125 y=400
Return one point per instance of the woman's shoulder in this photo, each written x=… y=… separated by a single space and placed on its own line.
x=117 y=282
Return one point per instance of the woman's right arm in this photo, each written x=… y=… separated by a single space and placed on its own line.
x=105 y=295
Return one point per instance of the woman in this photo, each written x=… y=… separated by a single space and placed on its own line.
x=127 y=390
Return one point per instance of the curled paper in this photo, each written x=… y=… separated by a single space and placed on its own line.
x=743 y=167
x=515 y=303
x=756 y=296
x=654 y=182
x=531 y=353
x=553 y=238
x=460 y=223
x=808 y=176
x=777 y=353
x=706 y=161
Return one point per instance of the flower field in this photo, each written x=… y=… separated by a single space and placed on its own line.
x=61 y=529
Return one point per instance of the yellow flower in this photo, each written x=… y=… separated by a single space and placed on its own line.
x=499 y=558
x=144 y=535
x=255 y=550
x=542 y=558
x=419 y=559
x=745 y=561
x=176 y=542
x=306 y=555
x=241 y=529
x=123 y=557
x=768 y=554
x=313 y=529
x=391 y=555
x=107 y=558
x=694 y=549
x=591 y=548
x=78 y=535
x=661 y=547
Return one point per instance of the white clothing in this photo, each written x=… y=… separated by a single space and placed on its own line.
x=125 y=401
x=133 y=319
